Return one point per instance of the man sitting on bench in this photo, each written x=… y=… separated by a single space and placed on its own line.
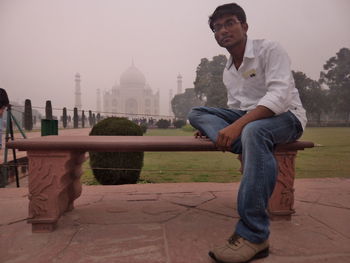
x=264 y=110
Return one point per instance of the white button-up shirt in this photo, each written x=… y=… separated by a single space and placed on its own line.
x=264 y=78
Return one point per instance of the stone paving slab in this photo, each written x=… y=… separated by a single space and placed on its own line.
x=130 y=243
x=175 y=223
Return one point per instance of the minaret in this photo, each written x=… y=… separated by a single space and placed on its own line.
x=77 y=92
x=170 y=98
x=179 y=84
x=98 y=102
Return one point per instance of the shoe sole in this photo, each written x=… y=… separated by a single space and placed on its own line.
x=262 y=254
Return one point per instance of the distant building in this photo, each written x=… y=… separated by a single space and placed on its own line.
x=179 y=84
x=77 y=93
x=98 y=100
x=171 y=95
x=132 y=96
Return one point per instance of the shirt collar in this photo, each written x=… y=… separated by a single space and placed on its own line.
x=248 y=52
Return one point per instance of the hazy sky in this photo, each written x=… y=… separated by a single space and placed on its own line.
x=44 y=43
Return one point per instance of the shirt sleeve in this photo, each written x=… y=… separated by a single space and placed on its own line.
x=278 y=79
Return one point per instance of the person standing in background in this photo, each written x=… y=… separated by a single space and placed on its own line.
x=4 y=102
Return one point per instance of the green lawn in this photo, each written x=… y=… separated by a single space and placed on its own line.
x=332 y=159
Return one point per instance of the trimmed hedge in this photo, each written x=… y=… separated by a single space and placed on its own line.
x=125 y=166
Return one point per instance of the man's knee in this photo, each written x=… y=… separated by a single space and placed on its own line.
x=194 y=113
x=253 y=131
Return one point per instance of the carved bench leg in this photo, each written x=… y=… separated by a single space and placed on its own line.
x=54 y=184
x=281 y=202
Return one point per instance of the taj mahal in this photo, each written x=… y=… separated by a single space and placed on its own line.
x=132 y=96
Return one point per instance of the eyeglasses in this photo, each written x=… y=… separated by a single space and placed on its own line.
x=229 y=24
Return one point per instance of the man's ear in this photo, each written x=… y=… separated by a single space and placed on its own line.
x=245 y=27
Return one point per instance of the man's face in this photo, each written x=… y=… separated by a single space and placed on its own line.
x=229 y=31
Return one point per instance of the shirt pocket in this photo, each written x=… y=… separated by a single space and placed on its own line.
x=254 y=87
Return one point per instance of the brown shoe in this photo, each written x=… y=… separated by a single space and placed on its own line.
x=239 y=250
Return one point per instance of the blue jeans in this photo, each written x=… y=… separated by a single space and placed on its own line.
x=256 y=144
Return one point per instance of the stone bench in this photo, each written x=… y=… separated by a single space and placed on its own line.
x=55 y=168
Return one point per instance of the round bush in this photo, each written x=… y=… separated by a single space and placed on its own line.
x=144 y=127
x=125 y=166
x=179 y=123
x=163 y=124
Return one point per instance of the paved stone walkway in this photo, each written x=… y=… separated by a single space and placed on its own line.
x=174 y=223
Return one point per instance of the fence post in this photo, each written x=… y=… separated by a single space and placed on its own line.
x=75 y=118
x=48 y=110
x=28 y=115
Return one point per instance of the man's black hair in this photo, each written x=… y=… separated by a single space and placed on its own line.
x=227 y=9
x=4 y=100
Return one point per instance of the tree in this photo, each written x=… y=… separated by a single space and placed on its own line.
x=208 y=85
x=313 y=97
x=28 y=115
x=202 y=82
x=336 y=76
x=181 y=104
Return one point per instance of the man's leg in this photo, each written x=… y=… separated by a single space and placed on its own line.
x=260 y=172
x=258 y=138
x=209 y=121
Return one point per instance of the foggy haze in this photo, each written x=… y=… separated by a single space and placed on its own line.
x=44 y=43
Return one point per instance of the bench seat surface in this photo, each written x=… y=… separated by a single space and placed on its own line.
x=128 y=144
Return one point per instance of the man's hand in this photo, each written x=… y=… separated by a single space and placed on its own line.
x=227 y=136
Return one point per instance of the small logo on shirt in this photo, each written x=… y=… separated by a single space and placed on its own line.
x=249 y=74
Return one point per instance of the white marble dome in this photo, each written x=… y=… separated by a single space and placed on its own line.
x=133 y=96
x=132 y=76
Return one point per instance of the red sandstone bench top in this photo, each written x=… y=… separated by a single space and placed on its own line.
x=129 y=144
